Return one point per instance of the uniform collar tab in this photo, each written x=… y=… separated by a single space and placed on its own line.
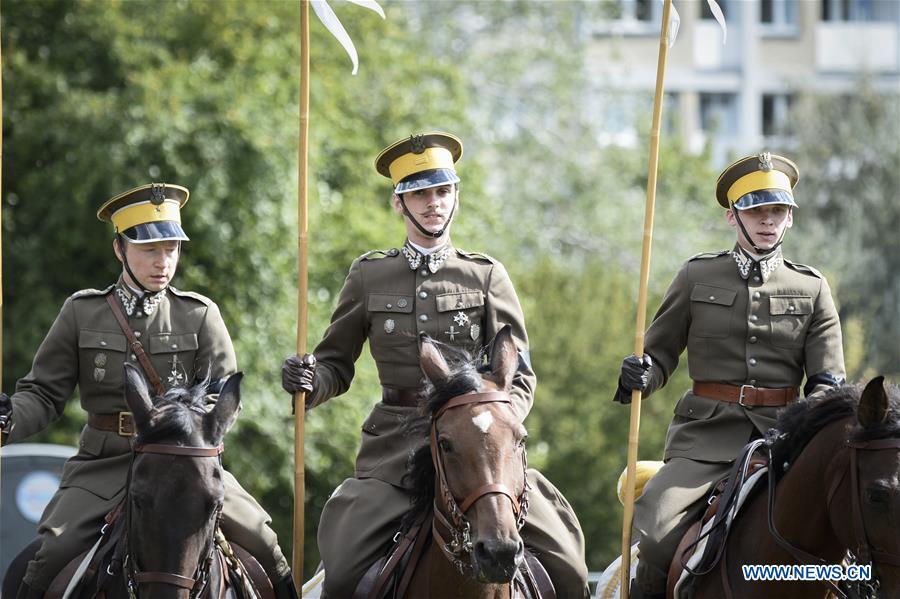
x=433 y=261
x=746 y=263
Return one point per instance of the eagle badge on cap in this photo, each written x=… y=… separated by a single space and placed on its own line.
x=416 y=144
x=765 y=162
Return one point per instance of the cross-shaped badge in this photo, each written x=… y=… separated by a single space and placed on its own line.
x=453 y=333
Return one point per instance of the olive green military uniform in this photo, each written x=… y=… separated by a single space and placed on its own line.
x=389 y=298
x=186 y=340
x=761 y=323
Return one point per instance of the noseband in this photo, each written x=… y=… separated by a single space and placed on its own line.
x=460 y=528
x=135 y=577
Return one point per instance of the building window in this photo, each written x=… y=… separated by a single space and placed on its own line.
x=775 y=111
x=778 y=12
x=719 y=113
x=647 y=11
x=860 y=10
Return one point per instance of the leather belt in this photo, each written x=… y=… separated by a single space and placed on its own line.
x=120 y=423
x=406 y=398
x=746 y=395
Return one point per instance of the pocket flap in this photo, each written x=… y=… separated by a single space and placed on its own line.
x=711 y=294
x=460 y=300
x=101 y=340
x=390 y=302
x=695 y=407
x=790 y=304
x=167 y=343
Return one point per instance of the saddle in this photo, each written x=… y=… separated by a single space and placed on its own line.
x=102 y=564
x=390 y=576
x=722 y=503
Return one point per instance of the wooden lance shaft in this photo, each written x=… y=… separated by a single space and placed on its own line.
x=635 y=421
x=302 y=227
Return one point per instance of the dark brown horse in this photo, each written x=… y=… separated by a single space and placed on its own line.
x=163 y=542
x=470 y=477
x=836 y=462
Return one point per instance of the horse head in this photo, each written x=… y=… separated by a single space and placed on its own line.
x=175 y=488
x=477 y=447
x=874 y=479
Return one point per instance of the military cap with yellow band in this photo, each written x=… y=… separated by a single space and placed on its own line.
x=420 y=161
x=758 y=180
x=147 y=213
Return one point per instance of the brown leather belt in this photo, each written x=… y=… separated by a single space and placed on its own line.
x=746 y=395
x=121 y=423
x=406 y=398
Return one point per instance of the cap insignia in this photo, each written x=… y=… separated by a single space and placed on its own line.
x=416 y=144
x=157 y=194
x=765 y=162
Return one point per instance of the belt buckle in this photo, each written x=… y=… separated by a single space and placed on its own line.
x=123 y=424
x=741 y=396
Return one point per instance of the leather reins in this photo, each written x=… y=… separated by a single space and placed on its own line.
x=459 y=527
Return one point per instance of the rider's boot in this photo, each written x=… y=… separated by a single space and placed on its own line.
x=27 y=592
x=284 y=588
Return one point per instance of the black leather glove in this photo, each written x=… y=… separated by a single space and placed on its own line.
x=298 y=374
x=635 y=375
x=5 y=413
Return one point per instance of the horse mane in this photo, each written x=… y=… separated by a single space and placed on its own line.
x=174 y=414
x=802 y=420
x=465 y=376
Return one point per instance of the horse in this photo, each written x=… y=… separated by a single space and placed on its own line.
x=167 y=545
x=470 y=482
x=834 y=488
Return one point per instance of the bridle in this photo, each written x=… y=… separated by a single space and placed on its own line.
x=134 y=576
x=459 y=528
x=863 y=552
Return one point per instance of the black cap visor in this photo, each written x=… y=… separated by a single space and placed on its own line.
x=164 y=230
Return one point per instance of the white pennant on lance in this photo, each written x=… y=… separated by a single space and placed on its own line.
x=332 y=24
x=675 y=21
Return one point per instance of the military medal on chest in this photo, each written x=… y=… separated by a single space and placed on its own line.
x=99 y=367
x=177 y=375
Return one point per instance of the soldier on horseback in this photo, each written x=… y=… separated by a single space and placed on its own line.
x=177 y=337
x=391 y=297
x=753 y=323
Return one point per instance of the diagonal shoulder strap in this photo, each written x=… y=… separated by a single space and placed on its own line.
x=136 y=346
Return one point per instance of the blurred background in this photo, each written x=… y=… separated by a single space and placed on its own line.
x=552 y=101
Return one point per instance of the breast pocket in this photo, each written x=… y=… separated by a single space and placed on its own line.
x=391 y=322
x=789 y=316
x=172 y=355
x=461 y=318
x=101 y=355
x=711 y=311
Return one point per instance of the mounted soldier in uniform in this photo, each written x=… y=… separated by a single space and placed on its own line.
x=390 y=298
x=177 y=337
x=754 y=324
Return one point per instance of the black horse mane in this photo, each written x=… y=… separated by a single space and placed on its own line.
x=799 y=422
x=465 y=376
x=175 y=413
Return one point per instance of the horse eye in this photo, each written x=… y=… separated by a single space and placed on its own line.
x=445 y=445
x=878 y=496
x=522 y=442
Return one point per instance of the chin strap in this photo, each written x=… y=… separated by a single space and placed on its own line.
x=756 y=248
x=422 y=229
x=122 y=242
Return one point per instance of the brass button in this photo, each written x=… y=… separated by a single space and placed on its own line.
x=424 y=272
x=174 y=346
x=712 y=297
x=402 y=303
x=423 y=317
x=133 y=357
x=752 y=339
x=137 y=333
x=756 y=279
x=423 y=294
x=389 y=306
x=754 y=318
x=791 y=308
x=103 y=344
x=756 y=295
x=752 y=361
x=753 y=382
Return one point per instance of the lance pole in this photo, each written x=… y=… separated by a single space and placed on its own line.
x=635 y=421
x=302 y=226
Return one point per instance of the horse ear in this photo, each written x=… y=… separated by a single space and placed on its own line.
x=504 y=358
x=873 y=403
x=432 y=361
x=225 y=412
x=137 y=395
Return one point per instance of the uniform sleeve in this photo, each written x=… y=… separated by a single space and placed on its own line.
x=41 y=395
x=502 y=308
x=215 y=352
x=339 y=349
x=668 y=333
x=823 y=350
